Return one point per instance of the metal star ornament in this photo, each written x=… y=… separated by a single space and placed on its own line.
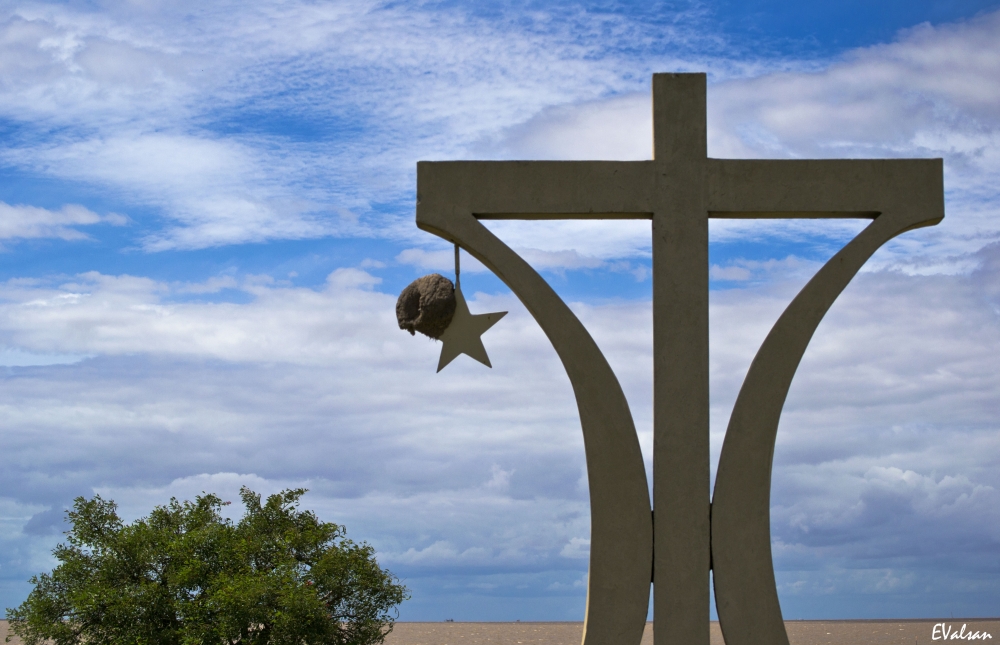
x=464 y=334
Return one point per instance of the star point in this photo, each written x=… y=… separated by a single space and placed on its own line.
x=464 y=333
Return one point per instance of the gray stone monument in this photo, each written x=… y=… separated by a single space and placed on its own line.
x=679 y=190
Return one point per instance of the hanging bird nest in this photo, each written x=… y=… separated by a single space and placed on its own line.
x=426 y=305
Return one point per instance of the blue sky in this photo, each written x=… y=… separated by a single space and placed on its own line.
x=206 y=214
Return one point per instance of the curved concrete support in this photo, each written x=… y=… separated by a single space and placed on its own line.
x=621 y=534
x=745 y=593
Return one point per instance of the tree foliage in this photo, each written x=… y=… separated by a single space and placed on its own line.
x=185 y=575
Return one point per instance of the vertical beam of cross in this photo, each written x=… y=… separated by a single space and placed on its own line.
x=680 y=362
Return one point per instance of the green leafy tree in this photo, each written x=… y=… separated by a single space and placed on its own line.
x=186 y=575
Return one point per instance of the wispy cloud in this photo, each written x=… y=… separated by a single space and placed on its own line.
x=202 y=122
x=25 y=222
x=209 y=134
x=929 y=94
x=891 y=417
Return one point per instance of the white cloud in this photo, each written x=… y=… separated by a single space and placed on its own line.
x=136 y=99
x=932 y=93
x=24 y=222
x=442 y=532
x=733 y=273
x=441 y=261
x=929 y=94
x=99 y=314
x=742 y=270
x=576 y=548
x=216 y=191
x=558 y=258
x=617 y=128
x=935 y=89
x=575 y=244
x=134 y=502
x=61 y=66
x=158 y=125
x=887 y=444
x=887 y=448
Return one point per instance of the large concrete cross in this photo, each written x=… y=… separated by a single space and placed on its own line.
x=679 y=190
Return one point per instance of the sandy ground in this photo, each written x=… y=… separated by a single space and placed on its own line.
x=800 y=632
